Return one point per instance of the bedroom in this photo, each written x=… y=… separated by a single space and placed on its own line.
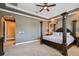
x=28 y=24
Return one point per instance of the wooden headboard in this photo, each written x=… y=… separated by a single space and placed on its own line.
x=61 y=30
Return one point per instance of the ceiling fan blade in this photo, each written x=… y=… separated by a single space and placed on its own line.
x=47 y=9
x=41 y=9
x=51 y=5
x=40 y=5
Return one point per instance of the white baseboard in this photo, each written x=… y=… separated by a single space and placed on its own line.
x=26 y=42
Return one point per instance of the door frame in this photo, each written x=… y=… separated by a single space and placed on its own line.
x=4 y=27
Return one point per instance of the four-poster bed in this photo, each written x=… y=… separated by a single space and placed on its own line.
x=65 y=37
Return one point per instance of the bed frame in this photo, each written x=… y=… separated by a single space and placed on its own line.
x=60 y=47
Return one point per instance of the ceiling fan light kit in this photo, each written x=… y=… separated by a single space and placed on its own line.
x=45 y=6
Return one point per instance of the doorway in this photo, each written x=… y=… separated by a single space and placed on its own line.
x=9 y=30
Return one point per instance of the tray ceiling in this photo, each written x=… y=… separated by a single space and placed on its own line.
x=58 y=9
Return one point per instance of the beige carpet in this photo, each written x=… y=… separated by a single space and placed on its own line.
x=35 y=49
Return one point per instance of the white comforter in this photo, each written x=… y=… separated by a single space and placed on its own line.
x=58 y=39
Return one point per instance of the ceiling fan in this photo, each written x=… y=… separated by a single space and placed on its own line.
x=45 y=6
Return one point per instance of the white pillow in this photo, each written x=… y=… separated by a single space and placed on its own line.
x=55 y=33
x=68 y=33
x=60 y=33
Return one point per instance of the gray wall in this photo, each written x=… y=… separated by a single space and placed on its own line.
x=30 y=27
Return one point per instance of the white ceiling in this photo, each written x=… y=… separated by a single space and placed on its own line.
x=58 y=9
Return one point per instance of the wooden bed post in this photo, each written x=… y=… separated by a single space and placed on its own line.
x=64 y=18
x=41 y=37
x=74 y=30
x=48 y=26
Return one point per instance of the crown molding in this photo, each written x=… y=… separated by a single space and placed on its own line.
x=25 y=11
x=15 y=10
x=5 y=10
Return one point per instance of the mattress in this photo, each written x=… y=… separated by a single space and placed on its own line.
x=59 y=39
